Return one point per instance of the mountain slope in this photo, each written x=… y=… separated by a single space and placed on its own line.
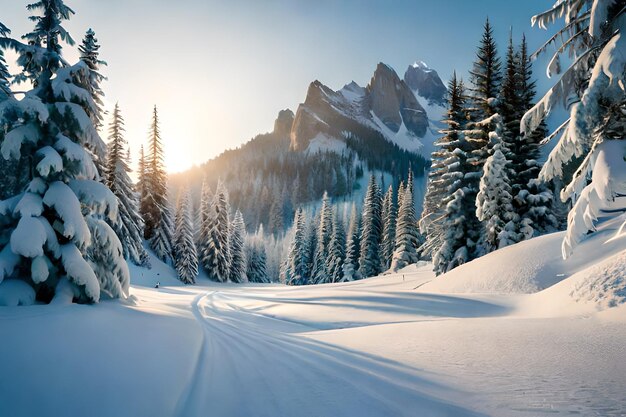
x=333 y=141
x=386 y=107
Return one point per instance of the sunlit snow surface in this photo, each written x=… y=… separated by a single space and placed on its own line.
x=396 y=345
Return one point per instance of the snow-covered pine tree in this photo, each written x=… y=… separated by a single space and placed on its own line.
x=89 y=54
x=407 y=234
x=485 y=80
x=48 y=229
x=204 y=218
x=311 y=239
x=534 y=200
x=494 y=203
x=389 y=215
x=216 y=256
x=371 y=234
x=5 y=76
x=324 y=233
x=237 y=252
x=594 y=34
x=154 y=206
x=128 y=224
x=297 y=257
x=184 y=248
x=256 y=257
x=9 y=184
x=336 y=249
x=458 y=223
x=353 y=247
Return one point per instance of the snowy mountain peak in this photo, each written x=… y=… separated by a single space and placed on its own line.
x=393 y=102
x=421 y=64
x=425 y=83
x=386 y=107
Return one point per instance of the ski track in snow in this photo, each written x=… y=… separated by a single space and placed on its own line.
x=254 y=365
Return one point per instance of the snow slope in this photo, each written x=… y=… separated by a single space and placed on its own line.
x=396 y=345
x=532 y=265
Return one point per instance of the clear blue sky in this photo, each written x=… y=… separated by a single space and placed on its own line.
x=221 y=70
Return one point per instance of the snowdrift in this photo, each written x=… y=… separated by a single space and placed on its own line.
x=534 y=265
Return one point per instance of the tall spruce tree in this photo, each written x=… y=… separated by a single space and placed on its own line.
x=9 y=184
x=184 y=248
x=494 y=204
x=485 y=80
x=297 y=257
x=311 y=239
x=89 y=54
x=371 y=235
x=216 y=256
x=407 y=235
x=204 y=217
x=534 y=199
x=389 y=215
x=353 y=247
x=154 y=206
x=336 y=249
x=458 y=224
x=54 y=232
x=237 y=250
x=324 y=234
x=5 y=76
x=129 y=224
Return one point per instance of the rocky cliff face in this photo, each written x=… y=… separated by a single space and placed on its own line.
x=425 y=82
x=283 y=123
x=386 y=106
x=394 y=103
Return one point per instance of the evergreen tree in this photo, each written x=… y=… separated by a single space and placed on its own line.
x=257 y=258
x=216 y=256
x=407 y=234
x=53 y=233
x=204 y=219
x=369 y=262
x=485 y=80
x=237 y=250
x=185 y=254
x=457 y=225
x=389 y=215
x=297 y=258
x=324 y=234
x=154 y=207
x=593 y=33
x=5 y=76
x=128 y=225
x=9 y=184
x=494 y=204
x=353 y=247
x=89 y=54
x=533 y=198
x=311 y=238
x=336 y=249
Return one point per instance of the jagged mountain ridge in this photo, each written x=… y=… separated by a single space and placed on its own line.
x=387 y=106
x=332 y=141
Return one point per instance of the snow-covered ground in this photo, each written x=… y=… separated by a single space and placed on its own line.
x=517 y=333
